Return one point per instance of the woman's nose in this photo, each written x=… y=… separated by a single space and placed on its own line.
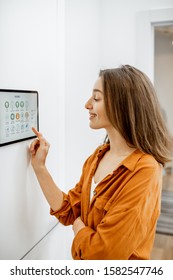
x=88 y=104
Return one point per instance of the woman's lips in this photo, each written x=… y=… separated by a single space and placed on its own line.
x=92 y=115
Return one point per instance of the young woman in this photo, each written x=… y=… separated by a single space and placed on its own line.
x=115 y=206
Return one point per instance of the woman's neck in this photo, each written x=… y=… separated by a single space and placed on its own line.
x=118 y=145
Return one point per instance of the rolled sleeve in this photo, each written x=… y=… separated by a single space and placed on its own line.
x=71 y=207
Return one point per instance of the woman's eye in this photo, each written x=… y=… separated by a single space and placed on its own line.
x=96 y=99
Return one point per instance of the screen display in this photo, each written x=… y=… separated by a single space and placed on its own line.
x=18 y=114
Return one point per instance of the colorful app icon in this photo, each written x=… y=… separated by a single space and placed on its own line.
x=12 y=116
x=26 y=115
x=22 y=104
x=17 y=104
x=7 y=104
x=17 y=116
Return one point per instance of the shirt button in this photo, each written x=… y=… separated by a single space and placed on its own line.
x=94 y=192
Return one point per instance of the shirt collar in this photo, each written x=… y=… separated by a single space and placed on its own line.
x=129 y=162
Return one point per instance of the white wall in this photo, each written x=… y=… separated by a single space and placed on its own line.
x=83 y=58
x=28 y=58
x=119 y=29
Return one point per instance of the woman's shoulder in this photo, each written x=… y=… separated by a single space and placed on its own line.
x=148 y=160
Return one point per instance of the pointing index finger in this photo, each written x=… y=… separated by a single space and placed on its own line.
x=36 y=132
x=41 y=139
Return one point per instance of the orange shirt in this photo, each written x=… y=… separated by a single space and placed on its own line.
x=121 y=217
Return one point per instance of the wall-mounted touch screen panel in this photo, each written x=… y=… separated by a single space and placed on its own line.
x=18 y=114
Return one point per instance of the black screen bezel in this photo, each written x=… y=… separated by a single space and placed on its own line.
x=22 y=91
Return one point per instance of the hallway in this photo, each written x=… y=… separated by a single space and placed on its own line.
x=163 y=245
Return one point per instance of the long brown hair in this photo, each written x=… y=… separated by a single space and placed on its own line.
x=133 y=109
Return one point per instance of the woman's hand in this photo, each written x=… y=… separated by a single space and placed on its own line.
x=78 y=225
x=39 y=149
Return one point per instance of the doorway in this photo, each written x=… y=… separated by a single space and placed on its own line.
x=163 y=82
x=163 y=69
x=154 y=56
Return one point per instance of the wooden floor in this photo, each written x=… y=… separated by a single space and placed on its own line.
x=163 y=245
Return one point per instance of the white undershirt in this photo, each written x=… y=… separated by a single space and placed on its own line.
x=93 y=186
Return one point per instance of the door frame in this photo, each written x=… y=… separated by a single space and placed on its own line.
x=145 y=23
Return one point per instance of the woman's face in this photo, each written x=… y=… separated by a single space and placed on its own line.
x=95 y=105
